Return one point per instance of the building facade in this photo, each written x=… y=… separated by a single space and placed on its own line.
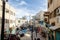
x=38 y=18
x=9 y=16
x=54 y=9
x=40 y=15
x=46 y=17
x=20 y=22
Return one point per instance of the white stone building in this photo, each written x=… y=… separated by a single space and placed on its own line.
x=9 y=16
x=20 y=22
x=40 y=15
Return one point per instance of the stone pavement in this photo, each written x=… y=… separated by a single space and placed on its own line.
x=38 y=36
x=28 y=36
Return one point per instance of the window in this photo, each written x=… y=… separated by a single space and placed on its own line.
x=58 y=19
x=53 y=23
x=54 y=13
x=51 y=1
x=45 y=19
x=7 y=11
x=18 y=21
x=6 y=21
x=11 y=21
x=0 y=8
x=58 y=11
x=12 y=13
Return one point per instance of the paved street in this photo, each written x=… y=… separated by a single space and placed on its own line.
x=18 y=18
x=28 y=36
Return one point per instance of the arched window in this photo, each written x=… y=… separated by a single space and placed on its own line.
x=58 y=11
x=53 y=23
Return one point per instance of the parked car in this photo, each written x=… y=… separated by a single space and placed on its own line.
x=21 y=32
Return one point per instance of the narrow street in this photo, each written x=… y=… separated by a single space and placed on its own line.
x=29 y=19
x=28 y=36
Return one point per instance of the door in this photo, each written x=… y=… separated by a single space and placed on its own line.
x=57 y=35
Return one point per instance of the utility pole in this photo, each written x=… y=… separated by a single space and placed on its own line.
x=32 y=33
x=3 y=19
x=32 y=27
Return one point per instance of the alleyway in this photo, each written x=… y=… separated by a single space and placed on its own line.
x=28 y=36
x=29 y=19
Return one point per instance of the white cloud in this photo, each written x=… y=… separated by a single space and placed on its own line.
x=43 y=9
x=43 y=5
x=26 y=12
x=23 y=12
x=22 y=3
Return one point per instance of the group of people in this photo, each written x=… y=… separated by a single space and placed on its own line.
x=11 y=36
x=41 y=32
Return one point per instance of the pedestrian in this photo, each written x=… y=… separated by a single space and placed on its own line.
x=44 y=34
x=17 y=29
x=13 y=37
x=40 y=31
x=36 y=31
x=38 y=38
x=34 y=38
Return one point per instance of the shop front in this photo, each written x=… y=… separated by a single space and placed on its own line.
x=55 y=33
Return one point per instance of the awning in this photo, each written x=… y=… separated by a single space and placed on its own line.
x=54 y=28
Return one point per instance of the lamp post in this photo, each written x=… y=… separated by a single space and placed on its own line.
x=32 y=28
x=32 y=33
x=3 y=19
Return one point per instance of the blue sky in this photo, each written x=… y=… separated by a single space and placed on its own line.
x=28 y=7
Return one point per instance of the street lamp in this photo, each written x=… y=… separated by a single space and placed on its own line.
x=32 y=31
x=3 y=19
x=32 y=27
